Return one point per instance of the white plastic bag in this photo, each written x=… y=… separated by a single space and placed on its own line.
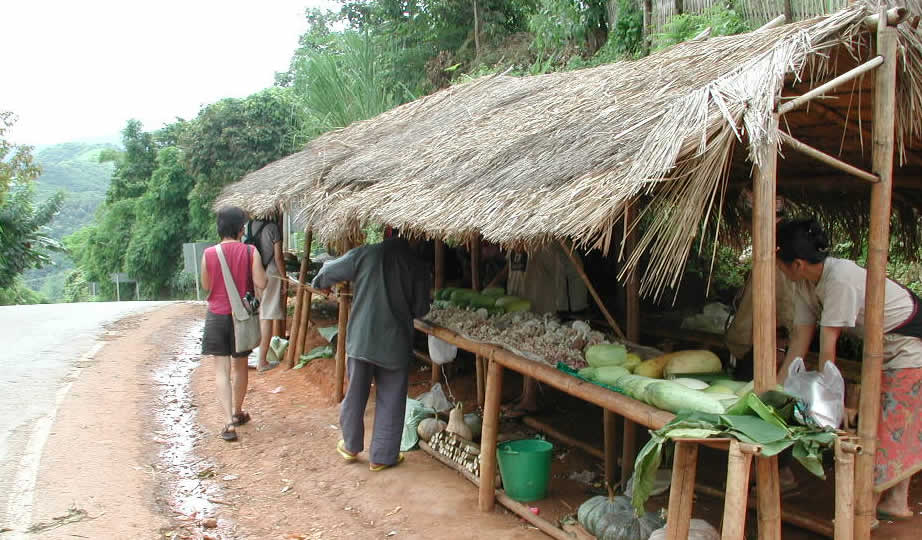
x=822 y=392
x=441 y=352
x=698 y=529
x=435 y=398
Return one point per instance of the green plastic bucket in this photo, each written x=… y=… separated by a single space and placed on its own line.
x=525 y=466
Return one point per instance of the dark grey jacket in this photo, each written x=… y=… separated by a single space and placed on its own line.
x=390 y=289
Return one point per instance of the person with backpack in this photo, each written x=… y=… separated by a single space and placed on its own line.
x=265 y=235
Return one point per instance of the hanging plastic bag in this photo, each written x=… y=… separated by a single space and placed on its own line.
x=823 y=392
x=441 y=352
x=435 y=398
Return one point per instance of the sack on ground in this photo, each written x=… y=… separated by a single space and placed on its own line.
x=414 y=414
x=277 y=348
x=435 y=398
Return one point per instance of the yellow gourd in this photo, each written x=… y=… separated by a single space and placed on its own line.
x=456 y=423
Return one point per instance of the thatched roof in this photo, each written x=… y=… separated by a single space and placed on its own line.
x=526 y=159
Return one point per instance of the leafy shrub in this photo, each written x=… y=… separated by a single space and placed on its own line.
x=722 y=20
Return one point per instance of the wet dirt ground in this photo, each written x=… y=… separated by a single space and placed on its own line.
x=135 y=454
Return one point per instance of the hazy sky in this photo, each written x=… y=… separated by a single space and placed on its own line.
x=79 y=69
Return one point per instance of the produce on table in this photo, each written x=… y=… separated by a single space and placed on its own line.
x=456 y=423
x=632 y=361
x=495 y=292
x=609 y=354
x=691 y=362
x=482 y=301
x=445 y=294
x=734 y=386
x=653 y=367
x=609 y=374
x=587 y=372
x=694 y=384
x=521 y=305
x=429 y=427
x=462 y=297
x=502 y=301
x=613 y=518
x=673 y=397
x=745 y=389
x=635 y=385
x=720 y=388
x=475 y=422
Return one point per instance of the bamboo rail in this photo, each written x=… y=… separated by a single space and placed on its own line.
x=878 y=243
x=892 y=16
x=595 y=295
x=793 y=516
x=849 y=75
x=827 y=159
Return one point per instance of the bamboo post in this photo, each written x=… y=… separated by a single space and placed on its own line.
x=681 y=490
x=489 y=435
x=878 y=242
x=439 y=265
x=763 y=276
x=609 y=430
x=737 y=494
x=340 y=372
x=475 y=262
x=595 y=295
x=632 y=309
x=299 y=296
x=303 y=319
x=845 y=493
x=481 y=383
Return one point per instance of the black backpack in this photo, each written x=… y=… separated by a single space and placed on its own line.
x=252 y=237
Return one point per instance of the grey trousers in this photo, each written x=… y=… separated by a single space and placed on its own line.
x=390 y=406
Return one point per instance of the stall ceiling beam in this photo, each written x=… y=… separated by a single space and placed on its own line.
x=823 y=88
x=827 y=159
x=894 y=17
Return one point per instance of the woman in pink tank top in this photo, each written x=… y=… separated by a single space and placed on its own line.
x=248 y=274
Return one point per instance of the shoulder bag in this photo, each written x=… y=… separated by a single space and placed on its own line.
x=246 y=322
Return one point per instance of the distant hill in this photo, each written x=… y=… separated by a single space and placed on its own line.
x=73 y=168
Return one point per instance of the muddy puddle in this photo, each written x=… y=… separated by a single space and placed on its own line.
x=187 y=477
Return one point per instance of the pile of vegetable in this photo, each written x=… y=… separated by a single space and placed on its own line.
x=613 y=518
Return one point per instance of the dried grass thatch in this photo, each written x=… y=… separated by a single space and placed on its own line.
x=525 y=160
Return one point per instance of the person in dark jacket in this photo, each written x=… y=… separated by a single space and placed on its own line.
x=390 y=288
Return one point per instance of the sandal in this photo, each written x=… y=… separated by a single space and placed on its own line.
x=347 y=456
x=242 y=418
x=229 y=434
x=378 y=467
x=886 y=516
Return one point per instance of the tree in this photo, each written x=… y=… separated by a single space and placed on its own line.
x=155 y=249
x=23 y=244
x=133 y=165
x=16 y=162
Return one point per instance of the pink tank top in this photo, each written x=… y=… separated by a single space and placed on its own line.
x=239 y=257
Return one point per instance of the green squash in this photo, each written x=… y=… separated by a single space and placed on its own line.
x=495 y=292
x=613 y=518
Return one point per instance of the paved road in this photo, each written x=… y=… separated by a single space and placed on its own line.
x=42 y=348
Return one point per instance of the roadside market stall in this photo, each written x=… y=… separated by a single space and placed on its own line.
x=573 y=156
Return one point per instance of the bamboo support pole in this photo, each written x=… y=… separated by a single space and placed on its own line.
x=595 y=295
x=681 y=490
x=774 y=23
x=827 y=159
x=292 y=352
x=628 y=449
x=481 y=382
x=763 y=278
x=878 y=242
x=820 y=90
x=845 y=491
x=894 y=16
x=632 y=309
x=610 y=435
x=488 y=437
x=343 y=322
x=739 y=464
x=439 y=265
x=475 y=262
x=553 y=433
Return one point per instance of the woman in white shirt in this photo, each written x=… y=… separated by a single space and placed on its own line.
x=830 y=293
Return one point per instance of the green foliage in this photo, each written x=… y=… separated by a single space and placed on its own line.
x=99 y=249
x=23 y=242
x=16 y=162
x=626 y=36
x=17 y=294
x=76 y=288
x=133 y=166
x=155 y=250
x=722 y=20
x=558 y=24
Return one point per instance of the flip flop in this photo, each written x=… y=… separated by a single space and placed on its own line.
x=886 y=516
x=375 y=468
x=228 y=434
x=269 y=366
x=347 y=456
x=240 y=419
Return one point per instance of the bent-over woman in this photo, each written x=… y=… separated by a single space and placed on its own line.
x=830 y=292
x=248 y=274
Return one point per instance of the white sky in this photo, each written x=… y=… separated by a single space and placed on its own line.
x=74 y=70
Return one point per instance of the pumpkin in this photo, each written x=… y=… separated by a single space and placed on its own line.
x=613 y=518
x=429 y=427
x=456 y=423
